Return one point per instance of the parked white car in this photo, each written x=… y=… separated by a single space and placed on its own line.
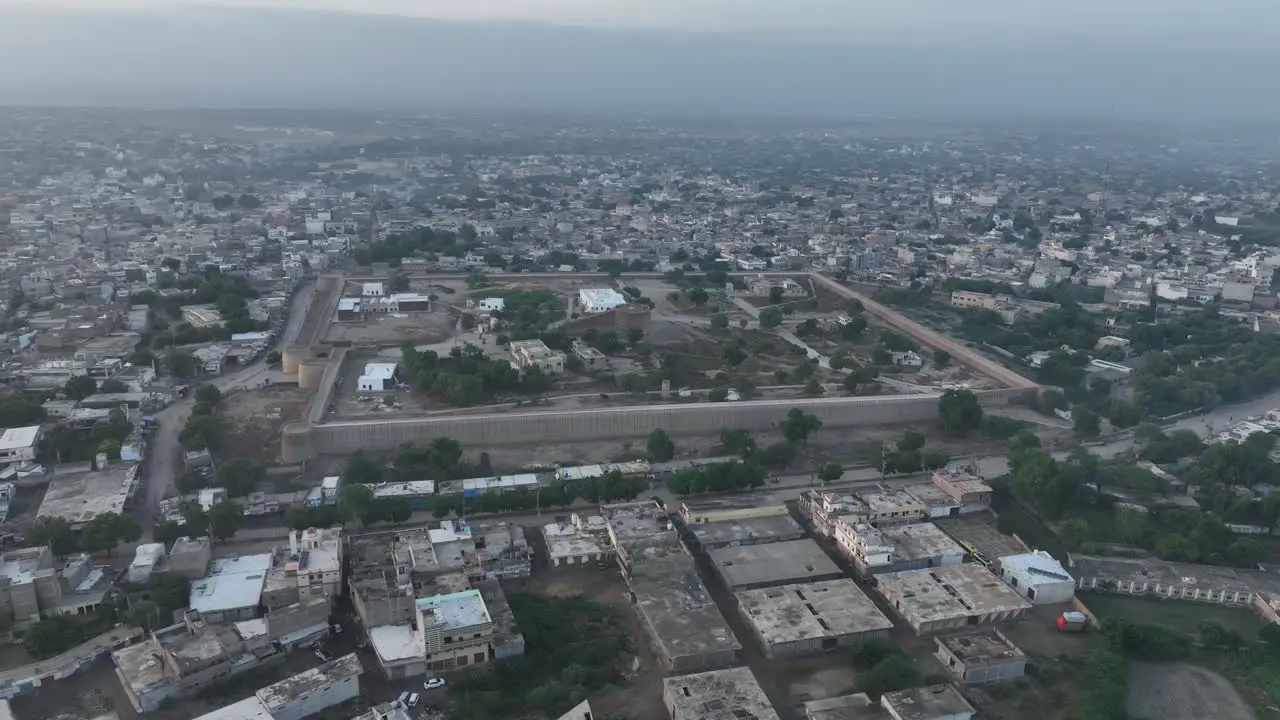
x=433 y=683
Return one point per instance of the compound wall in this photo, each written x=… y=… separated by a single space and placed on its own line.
x=302 y=441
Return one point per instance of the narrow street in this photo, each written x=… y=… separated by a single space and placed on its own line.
x=162 y=465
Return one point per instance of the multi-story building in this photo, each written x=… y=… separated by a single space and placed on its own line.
x=529 y=354
x=456 y=630
x=32 y=585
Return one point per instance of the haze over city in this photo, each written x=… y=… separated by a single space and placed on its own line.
x=1179 y=62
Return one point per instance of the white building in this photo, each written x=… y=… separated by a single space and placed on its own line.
x=372 y=290
x=232 y=589
x=1037 y=577
x=18 y=445
x=303 y=695
x=145 y=561
x=598 y=300
x=493 y=304
x=377 y=377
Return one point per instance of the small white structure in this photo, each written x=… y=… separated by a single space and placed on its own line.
x=372 y=290
x=145 y=560
x=18 y=445
x=1037 y=577
x=492 y=304
x=377 y=377
x=211 y=496
x=907 y=359
x=598 y=300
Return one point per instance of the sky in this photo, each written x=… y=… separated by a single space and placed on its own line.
x=988 y=21
x=1149 y=59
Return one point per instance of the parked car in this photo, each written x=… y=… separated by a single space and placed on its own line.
x=433 y=683
x=324 y=656
x=413 y=700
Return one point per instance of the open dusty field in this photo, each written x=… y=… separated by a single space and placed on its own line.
x=253 y=420
x=393 y=329
x=1178 y=691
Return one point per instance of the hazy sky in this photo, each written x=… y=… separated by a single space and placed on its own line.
x=993 y=21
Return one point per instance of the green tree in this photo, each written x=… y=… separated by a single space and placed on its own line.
x=112 y=385
x=813 y=387
x=1086 y=422
x=831 y=472
x=941 y=358
x=719 y=321
x=208 y=394
x=107 y=530
x=661 y=447
x=180 y=364
x=80 y=387
x=225 y=519
x=799 y=425
x=51 y=637
x=55 y=532
x=736 y=441
x=959 y=412
x=354 y=500
x=1073 y=533
x=698 y=296
x=360 y=469
x=144 y=614
x=770 y=318
x=240 y=476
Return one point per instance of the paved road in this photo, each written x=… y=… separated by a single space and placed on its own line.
x=162 y=465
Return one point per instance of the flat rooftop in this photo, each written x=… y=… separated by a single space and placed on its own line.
x=278 y=695
x=1151 y=572
x=926 y=703
x=758 y=530
x=395 y=642
x=983 y=646
x=78 y=496
x=251 y=708
x=637 y=520
x=845 y=707
x=917 y=541
x=682 y=618
x=456 y=610
x=732 y=694
x=932 y=594
x=232 y=583
x=564 y=540
x=804 y=611
x=777 y=563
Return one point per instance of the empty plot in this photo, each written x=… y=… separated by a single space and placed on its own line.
x=1177 y=691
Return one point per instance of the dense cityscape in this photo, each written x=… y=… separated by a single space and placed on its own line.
x=487 y=416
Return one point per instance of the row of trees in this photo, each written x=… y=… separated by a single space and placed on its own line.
x=203 y=429
x=220 y=522
x=720 y=477
x=467 y=376
x=101 y=534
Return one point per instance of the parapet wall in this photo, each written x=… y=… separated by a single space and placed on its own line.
x=303 y=441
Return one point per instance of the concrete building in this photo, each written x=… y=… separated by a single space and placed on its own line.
x=968 y=299
x=894 y=548
x=529 y=354
x=377 y=377
x=750 y=531
x=873 y=508
x=146 y=560
x=311 y=691
x=300 y=696
x=232 y=590
x=456 y=630
x=985 y=656
x=947 y=598
x=190 y=557
x=77 y=493
x=933 y=702
x=33 y=585
x=685 y=627
x=639 y=531
x=599 y=300
x=732 y=694
x=782 y=563
x=729 y=509
x=18 y=444
x=1037 y=577
x=811 y=617
x=966 y=488
x=583 y=540
x=1184 y=581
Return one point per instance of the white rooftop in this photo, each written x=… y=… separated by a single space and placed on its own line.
x=251 y=708
x=607 y=297
x=395 y=642
x=380 y=371
x=19 y=437
x=456 y=610
x=1035 y=563
x=232 y=583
